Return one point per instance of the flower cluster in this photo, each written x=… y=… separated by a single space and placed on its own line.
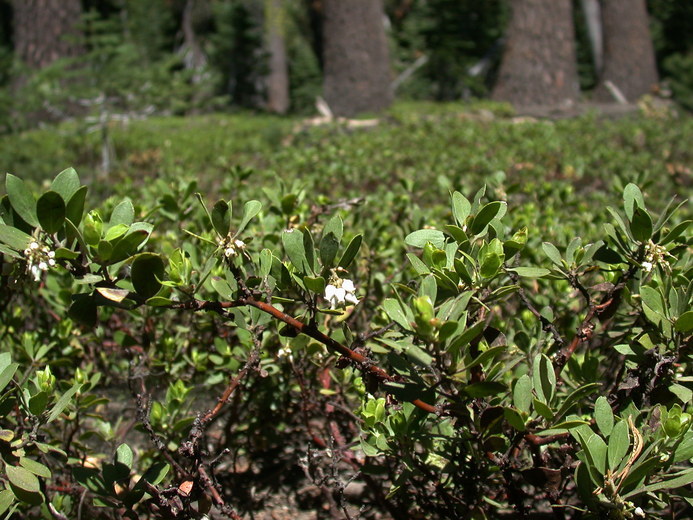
x=38 y=258
x=341 y=292
x=231 y=247
x=654 y=254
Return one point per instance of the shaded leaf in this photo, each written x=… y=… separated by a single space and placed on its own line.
x=421 y=237
x=50 y=211
x=22 y=199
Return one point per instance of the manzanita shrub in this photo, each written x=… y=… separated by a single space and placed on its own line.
x=156 y=356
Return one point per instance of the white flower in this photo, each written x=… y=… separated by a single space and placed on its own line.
x=639 y=512
x=34 y=245
x=341 y=294
x=36 y=272
x=43 y=266
x=647 y=266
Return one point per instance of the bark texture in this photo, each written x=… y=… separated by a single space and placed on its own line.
x=629 y=60
x=278 y=78
x=46 y=30
x=355 y=57
x=539 y=61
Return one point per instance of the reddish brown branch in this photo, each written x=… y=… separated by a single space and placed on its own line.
x=360 y=361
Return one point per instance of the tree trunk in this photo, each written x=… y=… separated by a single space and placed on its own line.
x=629 y=60
x=356 y=59
x=46 y=30
x=539 y=62
x=593 y=20
x=194 y=57
x=278 y=79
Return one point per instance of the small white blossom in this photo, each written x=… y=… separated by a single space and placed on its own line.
x=639 y=512
x=647 y=266
x=285 y=352
x=340 y=293
x=39 y=258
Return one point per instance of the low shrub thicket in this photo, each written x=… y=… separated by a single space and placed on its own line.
x=162 y=355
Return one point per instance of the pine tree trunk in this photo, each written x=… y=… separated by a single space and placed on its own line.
x=629 y=60
x=46 y=30
x=355 y=56
x=278 y=79
x=539 y=61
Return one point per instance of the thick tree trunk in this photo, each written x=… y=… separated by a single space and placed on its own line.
x=539 y=62
x=629 y=60
x=278 y=79
x=194 y=57
x=356 y=59
x=592 y=13
x=46 y=30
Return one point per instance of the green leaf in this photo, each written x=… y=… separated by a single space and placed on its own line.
x=522 y=394
x=116 y=231
x=295 y=250
x=681 y=479
x=66 y=184
x=75 y=206
x=530 y=272
x=553 y=253
x=461 y=208
x=544 y=378
x=7 y=374
x=543 y=409
x=250 y=210
x=13 y=237
x=128 y=245
x=491 y=257
x=147 y=269
x=514 y=419
x=50 y=211
x=6 y=500
x=684 y=323
x=575 y=397
x=34 y=467
x=22 y=200
x=421 y=237
x=603 y=415
x=676 y=232
x=619 y=441
x=394 y=310
x=123 y=213
x=484 y=389
x=155 y=474
x=329 y=245
x=489 y=212
x=124 y=455
x=63 y=402
x=652 y=299
x=334 y=226
x=315 y=284
x=350 y=252
x=22 y=479
x=641 y=225
x=222 y=288
x=632 y=198
x=221 y=218
x=597 y=449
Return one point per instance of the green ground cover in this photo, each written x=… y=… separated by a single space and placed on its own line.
x=538 y=343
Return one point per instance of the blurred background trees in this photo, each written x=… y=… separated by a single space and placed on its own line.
x=60 y=59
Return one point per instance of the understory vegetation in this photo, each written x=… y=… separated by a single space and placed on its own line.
x=455 y=313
